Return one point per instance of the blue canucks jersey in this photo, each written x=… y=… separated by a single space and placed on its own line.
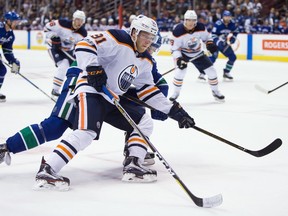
x=220 y=31
x=6 y=40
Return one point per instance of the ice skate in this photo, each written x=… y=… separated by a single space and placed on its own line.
x=55 y=93
x=4 y=154
x=149 y=159
x=46 y=178
x=227 y=77
x=201 y=77
x=135 y=172
x=2 y=98
x=174 y=97
x=218 y=96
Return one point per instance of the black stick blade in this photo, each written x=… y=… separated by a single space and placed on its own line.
x=268 y=149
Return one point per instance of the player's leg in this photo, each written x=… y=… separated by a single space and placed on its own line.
x=229 y=65
x=177 y=82
x=3 y=72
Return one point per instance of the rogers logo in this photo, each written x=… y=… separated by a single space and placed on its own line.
x=275 y=45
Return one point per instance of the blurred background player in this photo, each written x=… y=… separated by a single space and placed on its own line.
x=7 y=38
x=186 y=45
x=62 y=35
x=224 y=34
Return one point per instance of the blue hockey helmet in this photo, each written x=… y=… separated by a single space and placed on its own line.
x=11 y=15
x=226 y=13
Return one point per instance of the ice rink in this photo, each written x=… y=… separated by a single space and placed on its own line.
x=250 y=186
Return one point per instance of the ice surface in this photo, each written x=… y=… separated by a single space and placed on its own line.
x=250 y=186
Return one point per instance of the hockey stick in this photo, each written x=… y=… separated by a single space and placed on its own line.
x=29 y=81
x=201 y=202
x=190 y=60
x=259 y=153
x=258 y=87
x=68 y=55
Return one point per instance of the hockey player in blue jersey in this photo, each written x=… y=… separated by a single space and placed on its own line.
x=224 y=34
x=7 y=38
x=62 y=116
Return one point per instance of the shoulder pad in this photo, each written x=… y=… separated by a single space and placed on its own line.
x=199 y=27
x=121 y=36
x=179 y=30
x=65 y=23
x=218 y=22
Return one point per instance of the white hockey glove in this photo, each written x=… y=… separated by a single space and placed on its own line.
x=15 y=68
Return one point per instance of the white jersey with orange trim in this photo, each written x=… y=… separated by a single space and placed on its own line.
x=189 y=42
x=64 y=29
x=115 y=52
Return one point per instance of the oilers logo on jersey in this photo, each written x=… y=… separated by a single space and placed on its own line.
x=194 y=44
x=127 y=76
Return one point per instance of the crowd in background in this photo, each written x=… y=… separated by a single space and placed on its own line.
x=250 y=15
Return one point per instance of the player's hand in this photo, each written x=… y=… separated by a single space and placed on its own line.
x=179 y=114
x=211 y=47
x=232 y=40
x=55 y=42
x=96 y=77
x=181 y=63
x=15 y=68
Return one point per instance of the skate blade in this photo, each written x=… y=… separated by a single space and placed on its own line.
x=130 y=177
x=219 y=100
x=57 y=186
x=225 y=79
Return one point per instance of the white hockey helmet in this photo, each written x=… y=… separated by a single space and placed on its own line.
x=80 y=15
x=143 y=23
x=190 y=14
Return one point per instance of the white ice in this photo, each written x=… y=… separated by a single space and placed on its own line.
x=249 y=185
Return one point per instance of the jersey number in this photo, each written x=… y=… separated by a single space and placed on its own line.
x=99 y=38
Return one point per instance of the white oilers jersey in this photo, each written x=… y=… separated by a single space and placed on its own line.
x=189 y=43
x=115 y=52
x=64 y=29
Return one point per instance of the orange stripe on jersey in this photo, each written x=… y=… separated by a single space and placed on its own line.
x=65 y=150
x=137 y=140
x=57 y=81
x=147 y=91
x=81 y=81
x=178 y=82
x=84 y=43
x=124 y=44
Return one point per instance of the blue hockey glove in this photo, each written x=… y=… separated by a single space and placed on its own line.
x=181 y=63
x=15 y=67
x=232 y=40
x=158 y=115
x=55 y=42
x=179 y=114
x=211 y=47
x=96 y=77
x=221 y=45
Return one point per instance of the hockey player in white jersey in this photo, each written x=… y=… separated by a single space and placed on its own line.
x=62 y=35
x=187 y=46
x=117 y=60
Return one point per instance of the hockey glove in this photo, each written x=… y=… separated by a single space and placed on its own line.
x=181 y=63
x=179 y=114
x=211 y=47
x=221 y=45
x=96 y=77
x=232 y=40
x=158 y=115
x=55 y=42
x=15 y=67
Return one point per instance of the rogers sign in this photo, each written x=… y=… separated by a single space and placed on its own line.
x=275 y=45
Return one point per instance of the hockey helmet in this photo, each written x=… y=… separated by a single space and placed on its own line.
x=143 y=23
x=226 y=13
x=190 y=14
x=79 y=14
x=11 y=15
